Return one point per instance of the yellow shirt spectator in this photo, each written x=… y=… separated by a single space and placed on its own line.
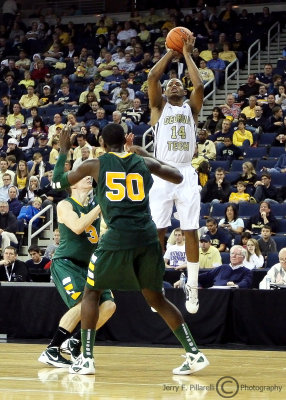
x=241 y=134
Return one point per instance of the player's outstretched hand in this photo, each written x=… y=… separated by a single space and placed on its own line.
x=140 y=151
x=129 y=141
x=65 y=142
x=189 y=45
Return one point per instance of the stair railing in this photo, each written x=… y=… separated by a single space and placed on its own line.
x=251 y=56
x=49 y=224
x=271 y=39
x=232 y=70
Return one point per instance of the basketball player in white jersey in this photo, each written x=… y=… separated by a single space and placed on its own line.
x=174 y=124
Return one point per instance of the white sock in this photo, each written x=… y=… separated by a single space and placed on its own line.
x=193 y=273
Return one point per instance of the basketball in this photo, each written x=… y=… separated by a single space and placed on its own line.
x=174 y=38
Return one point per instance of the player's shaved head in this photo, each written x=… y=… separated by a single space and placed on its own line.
x=113 y=135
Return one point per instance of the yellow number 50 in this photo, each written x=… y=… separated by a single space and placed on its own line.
x=118 y=190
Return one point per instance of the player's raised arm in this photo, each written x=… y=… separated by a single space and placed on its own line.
x=197 y=95
x=154 y=87
x=63 y=180
x=159 y=168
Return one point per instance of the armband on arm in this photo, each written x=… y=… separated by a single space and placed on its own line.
x=60 y=178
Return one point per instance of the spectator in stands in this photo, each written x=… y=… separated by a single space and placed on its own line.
x=251 y=88
x=280 y=139
x=105 y=67
x=57 y=124
x=4 y=170
x=227 y=54
x=14 y=203
x=125 y=103
x=230 y=108
x=262 y=95
x=206 y=73
x=240 y=195
x=116 y=119
x=37 y=262
x=206 y=148
x=207 y=54
x=214 y=121
x=226 y=131
x=43 y=148
x=30 y=191
x=11 y=119
x=53 y=246
x=248 y=176
x=264 y=217
x=280 y=98
x=47 y=98
x=220 y=238
x=242 y=137
x=11 y=269
x=258 y=121
x=268 y=108
x=34 y=112
x=125 y=35
x=231 y=221
x=30 y=99
x=254 y=259
x=277 y=273
x=86 y=153
x=275 y=121
x=175 y=255
x=39 y=71
x=27 y=212
x=39 y=128
x=10 y=87
x=233 y=274
x=7 y=181
x=217 y=189
x=26 y=141
x=280 y=165
x=265 y=77
x=8 y=225
x=266 y=243
x=136 y=113
x=218 y=67
x=229 y=152
x=54 y=154
x=21 y=176
x=265 y=191
x=209 y=256
x=65 y=97
x=249 y=111
x=7 y=105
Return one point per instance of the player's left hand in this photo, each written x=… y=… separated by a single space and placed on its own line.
x=189 y=44
x=65 y=141
x=129 y=141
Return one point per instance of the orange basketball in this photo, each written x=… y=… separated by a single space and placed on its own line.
x=174 y=38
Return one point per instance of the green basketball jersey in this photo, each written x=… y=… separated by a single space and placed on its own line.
x=122 y=191
x=78 y=248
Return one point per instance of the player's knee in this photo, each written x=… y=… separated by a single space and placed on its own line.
x=153 y=298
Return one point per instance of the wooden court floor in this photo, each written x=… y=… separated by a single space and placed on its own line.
x=143 y=373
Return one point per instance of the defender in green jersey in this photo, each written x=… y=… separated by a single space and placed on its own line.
x=129 y=254
x=79 y=226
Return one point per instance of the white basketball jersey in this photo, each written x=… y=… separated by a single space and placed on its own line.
x=175 y=134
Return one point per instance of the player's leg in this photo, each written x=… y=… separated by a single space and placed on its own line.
x=188 y=208
x=195 y=360
x=192 y=255
x=84 y=364
x=161 y=235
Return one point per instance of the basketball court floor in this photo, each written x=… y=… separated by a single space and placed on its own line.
x=143 y=373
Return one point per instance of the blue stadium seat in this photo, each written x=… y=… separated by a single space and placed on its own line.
x=205 y=210
x=218 y=210
x=278 y=179
x=246 y=210
x=266 y=139
x=219 y=164
x=232 y=176
x=225 y=257
x=255 y=152
x=280 y=242
x=140 y=129
x=202 y=222
x=175 y=223
x=276 y=151
x=279 y=210
x=265 y=163
x=237 y=165
x=281 y=227
x=272 y=259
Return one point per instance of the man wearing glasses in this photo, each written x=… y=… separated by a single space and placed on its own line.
x=233 y=274
x=277 y=273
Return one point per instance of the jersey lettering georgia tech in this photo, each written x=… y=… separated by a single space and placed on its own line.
x=175 y=134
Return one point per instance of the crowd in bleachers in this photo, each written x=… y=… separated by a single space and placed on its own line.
x=90 y=75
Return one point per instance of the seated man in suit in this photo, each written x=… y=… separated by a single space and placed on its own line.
x=11 y=269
